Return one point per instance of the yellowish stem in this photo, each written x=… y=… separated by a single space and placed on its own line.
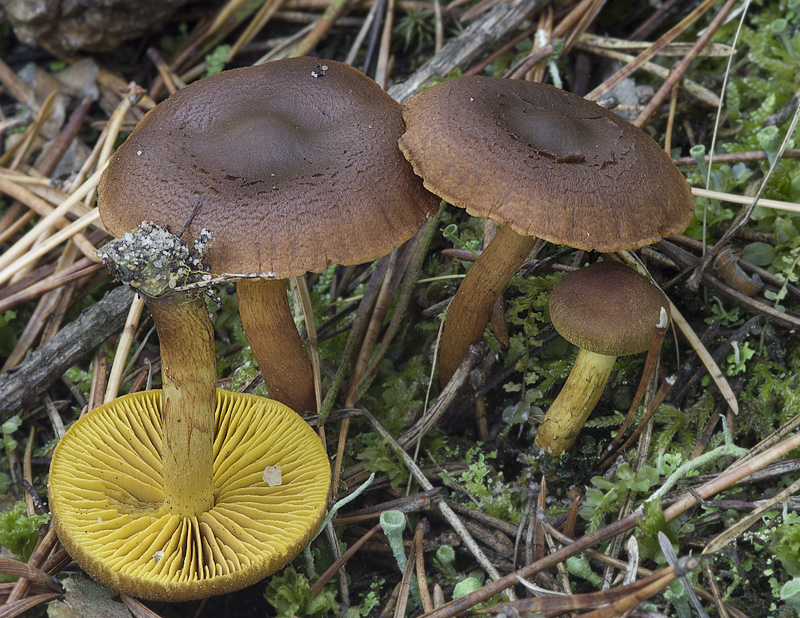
x=566 y=417
x=189 y=378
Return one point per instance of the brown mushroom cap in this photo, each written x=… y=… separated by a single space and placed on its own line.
x=294 y=165
x=547 y=162
x=607 y=308
x=107 y=498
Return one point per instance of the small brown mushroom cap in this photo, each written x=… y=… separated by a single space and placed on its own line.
x=107 y=498
x=607 y=308
x=549 y=163
x=292 y=165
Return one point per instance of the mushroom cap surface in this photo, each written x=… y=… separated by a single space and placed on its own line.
x=607 y=308
x=106 y=495
x=547 y=162
x=293 y=165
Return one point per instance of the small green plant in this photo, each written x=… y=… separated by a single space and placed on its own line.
x=20 y=533
x=784 y=539
x=790 y=593
x=580 y=567
x=290 y=594
x=216 y=60
x=486 y=487
x=376 y=459
x=368 y=602
x=606 y=496
x=416 y=29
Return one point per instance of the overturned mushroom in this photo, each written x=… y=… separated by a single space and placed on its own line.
x=107 y=496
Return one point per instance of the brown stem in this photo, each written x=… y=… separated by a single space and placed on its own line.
x=470 y=310
x=279 y=351
x=573 y=405
x=189 y=382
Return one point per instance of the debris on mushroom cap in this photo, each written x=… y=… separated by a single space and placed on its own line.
x=153 y=260
x=607 y=308
x=295 y=165
x=106 y=496
x=547 y=162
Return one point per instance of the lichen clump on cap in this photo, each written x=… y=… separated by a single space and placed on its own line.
x=154 y=260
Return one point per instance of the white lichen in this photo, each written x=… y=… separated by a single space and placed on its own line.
x=153 y=260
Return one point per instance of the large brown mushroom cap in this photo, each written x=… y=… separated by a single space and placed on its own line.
x=607 y=308
x=293 y=165
x=107 y=498
x=547 y=162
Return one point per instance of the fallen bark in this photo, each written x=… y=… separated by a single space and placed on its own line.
x=42 y=367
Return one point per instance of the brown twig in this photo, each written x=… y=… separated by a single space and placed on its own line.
x=651 y=51
x=677 y=73
x=422 y=579
x=663 y=390
x=45 y=365
x=337 y=565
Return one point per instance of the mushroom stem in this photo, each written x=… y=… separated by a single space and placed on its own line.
x=189 y=381
x=279 y=351
x=472 y=305
x=573 y=405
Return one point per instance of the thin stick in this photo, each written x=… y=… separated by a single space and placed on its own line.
x=311 y=333
x=446 y=511
x=730 y=476
x=14 y=85
x=651 y=51
x=22 y=245
x=56 y=239
x=171 y=81
x=44 y=309
x=743 y=199
x=663 y=390
x=362 y=34
x=331 y=571
x=27 y=469
x=36 y=206
x=124 y=348
x=405 y=584
x=36 y=560
x=99 y=377
x=692 y=87
x=711 y=365
x=335 y=10
x=731 y=532
x=362 y=359
x=257 y=23
x=76 y=271
x=422 y=580
x=382 y=68
x=677 y=73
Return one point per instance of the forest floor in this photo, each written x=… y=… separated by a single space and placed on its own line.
x=689 y=509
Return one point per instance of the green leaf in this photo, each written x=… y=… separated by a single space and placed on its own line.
x=290 y=594
x=791 y=593
x=759 y=253
x=20 y=533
